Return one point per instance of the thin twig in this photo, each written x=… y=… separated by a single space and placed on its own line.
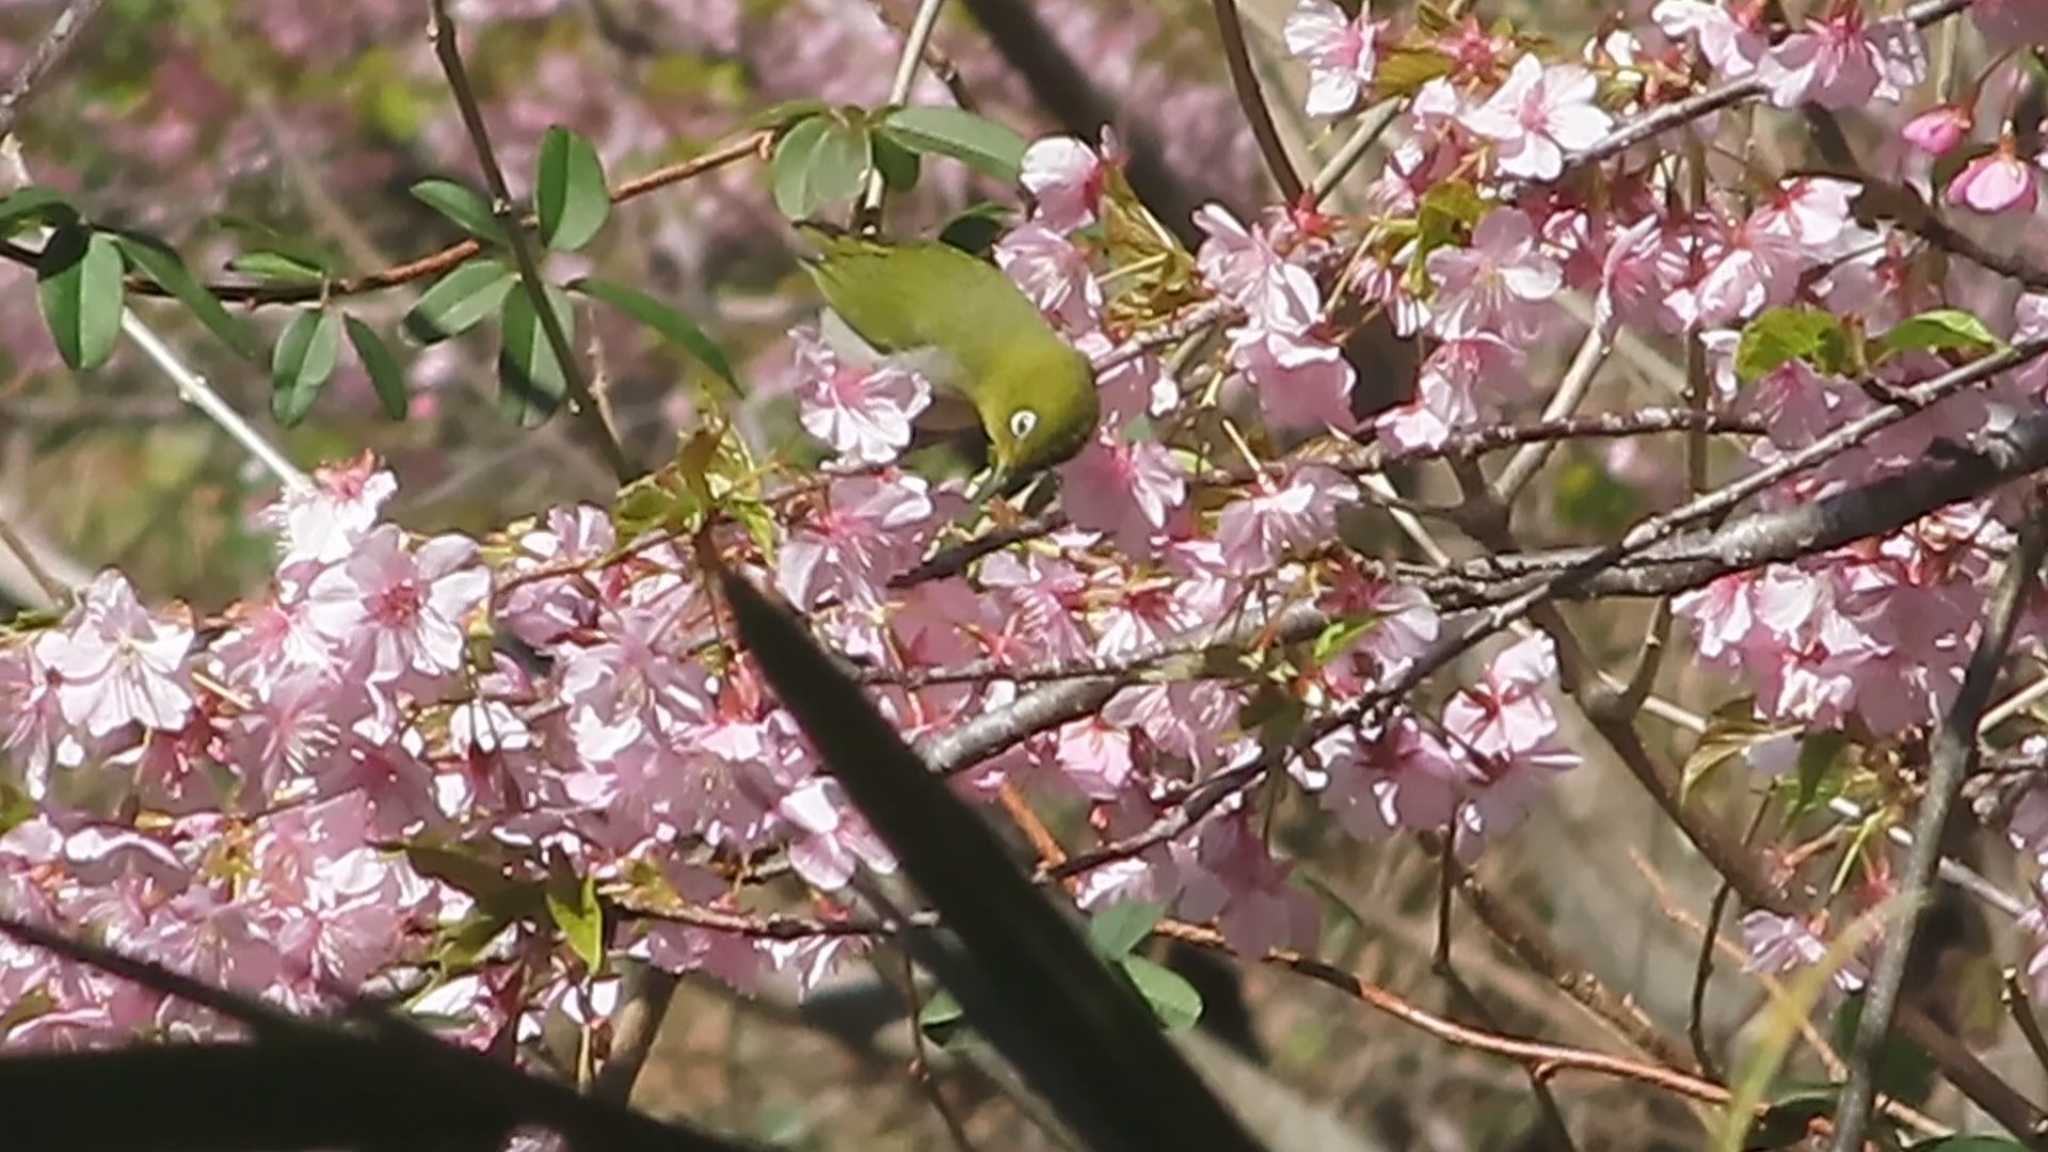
x=914 y=43
x=1371 y=127
x=1954 y=752
x=1578 y=379
x=1703 y=968
x=2021 y=1006
x=53 y=589
x=441 y=33
x=194 y=390
x=47 y=54
x=1245 y=80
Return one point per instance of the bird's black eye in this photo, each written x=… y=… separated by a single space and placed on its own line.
x=1022 y=421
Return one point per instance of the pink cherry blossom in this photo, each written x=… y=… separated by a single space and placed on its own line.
x=1095 y=757
x=1841 y=61
x=1539 y=114
x=1259 y=531
x=1938 y=130
x=1065 y=178
x=1731 y=35
x=1339 y=51
x=835 y=840
x=865 y=531
x=405 y=607
x=1229 y=876
x=1302 y=383
x=1998 y=181
x=1053 y=273
x=1501 y=285
x=1124 y=487
x=323 y=523
x=117 y=663
x=862 y=413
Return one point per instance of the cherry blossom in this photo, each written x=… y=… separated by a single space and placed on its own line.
x=1539 y=114
x=1731 y=36
x=117 y=663
x=1938 y=130
x=1339 y=51
x=862 y=413
x=1841 y=61
x=1065 y=178
x=1998 y=181
x=1499 y=286
x=405 y=608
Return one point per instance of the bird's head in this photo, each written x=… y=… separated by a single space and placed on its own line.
x=1043 y=408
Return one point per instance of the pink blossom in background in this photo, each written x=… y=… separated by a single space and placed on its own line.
x=1127 y=488
x=1339 y=52
x=1053 y=273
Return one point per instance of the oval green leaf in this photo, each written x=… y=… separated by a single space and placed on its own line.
x=381 y=366
x=669 y=323
x=459 y=300
x=820 y=161
x=275 y=267
x=1122 y=926
x=1941 y=330
x=990 y=148
x=1172 y=998
x=573 y=906
x=898 y=165
x=1783 y=335
x=160 y=263
x=531 y=382
x=34 y=203
x=569 y=190
x=78 y=283
x=301 y=363
x=470 y=211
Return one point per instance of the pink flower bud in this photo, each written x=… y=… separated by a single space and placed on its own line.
x=1995 y=182
x=1939 y=129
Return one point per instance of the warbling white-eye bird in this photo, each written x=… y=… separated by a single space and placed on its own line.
x=962 y=324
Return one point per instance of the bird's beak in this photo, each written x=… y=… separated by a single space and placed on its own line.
x=991 y=483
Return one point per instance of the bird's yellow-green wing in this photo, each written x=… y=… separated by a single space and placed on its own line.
x=901 y=297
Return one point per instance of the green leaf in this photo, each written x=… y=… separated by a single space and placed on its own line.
x=1403 y=71
x=294 y=247
x=897 y=164
x=531 y=382
x=1788 y=1120
x=158 y=262
x=459 y=300
x=381 y=366
x=78 y=282
x=1731 y=732
x=786 y=115
x=301 y=363
x=1172 y=998
x=1782 y=335
x=1122 y=926
x=669 y=323
x=990 y=148
x=975 y=230
x=470 y=211
x=1817 y=780
x=569 y=191
x=275 y=267
x=1029 y=981
x=941 y=1018
x=1940 y=330
x=34 y=203
x=820 y=161
x=573 y=906
x=1967 y=1144
x=1339 y=635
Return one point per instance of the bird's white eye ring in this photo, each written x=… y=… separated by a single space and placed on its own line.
x=1022 y=421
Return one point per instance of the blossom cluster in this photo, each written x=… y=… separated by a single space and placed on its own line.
x=330 y=790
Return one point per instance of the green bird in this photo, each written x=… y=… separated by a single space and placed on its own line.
x=962 y=324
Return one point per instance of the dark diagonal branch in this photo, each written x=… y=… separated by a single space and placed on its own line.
x=48 y=53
